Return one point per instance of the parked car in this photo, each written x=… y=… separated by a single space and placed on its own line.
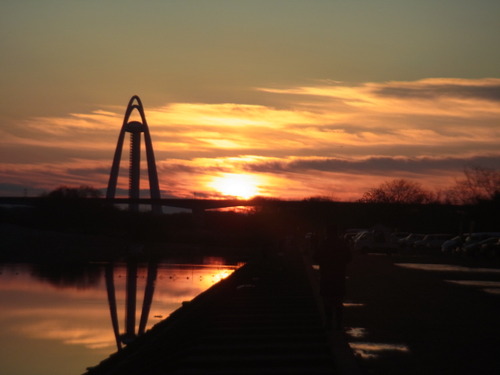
x=356 y=236
x=396 y=236
x=475 y=247
x=407 y=242
x=491 y=249
x=432 y=241
x=452 y=245
x=351 y=234
x=375 y=241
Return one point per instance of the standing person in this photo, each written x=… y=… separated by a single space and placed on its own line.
x=333 y=256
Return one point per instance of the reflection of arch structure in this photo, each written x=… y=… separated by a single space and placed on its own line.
x=135 y=128
x=131 y=301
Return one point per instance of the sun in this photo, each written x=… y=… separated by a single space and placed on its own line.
x=241 y=186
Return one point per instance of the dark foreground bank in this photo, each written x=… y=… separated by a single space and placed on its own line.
x=399 y=319
x=413 y=321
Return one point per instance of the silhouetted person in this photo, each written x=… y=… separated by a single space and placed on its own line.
x=333 y=256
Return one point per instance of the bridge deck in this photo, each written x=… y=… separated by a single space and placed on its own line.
x=263 y=319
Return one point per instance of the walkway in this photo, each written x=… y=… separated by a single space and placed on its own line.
x=264 y=319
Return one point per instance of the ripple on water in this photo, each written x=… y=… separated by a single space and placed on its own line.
x=372 y=350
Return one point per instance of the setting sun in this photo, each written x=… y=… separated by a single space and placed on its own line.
x=236 y=185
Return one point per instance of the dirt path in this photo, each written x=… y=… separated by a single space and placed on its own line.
x=430 y=325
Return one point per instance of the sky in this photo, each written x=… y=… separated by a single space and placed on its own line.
x=282 y=98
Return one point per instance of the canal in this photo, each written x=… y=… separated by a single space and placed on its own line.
x=56 y=319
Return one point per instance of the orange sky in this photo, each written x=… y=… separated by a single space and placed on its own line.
x=331 y=139
x=289 y=99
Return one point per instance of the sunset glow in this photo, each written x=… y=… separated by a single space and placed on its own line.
x=236 y=185
x=334 y=141
x=325 y=99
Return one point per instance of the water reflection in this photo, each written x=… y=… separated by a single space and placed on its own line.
x=492 y=287
x=356 y=332
x=372 y=350
x=492 y=290
x=131 y=300
x=353 y=304
x=79 y=275
x=63 y=321
x=132 y=278
x=446 y=268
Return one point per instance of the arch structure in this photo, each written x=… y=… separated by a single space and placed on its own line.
x=136 y=129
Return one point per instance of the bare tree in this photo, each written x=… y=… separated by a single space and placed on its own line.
x=478 y=184
x=398 y=191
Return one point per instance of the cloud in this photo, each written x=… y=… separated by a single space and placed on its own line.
x=92 y=338
x=375 y=165
x=418 y=129
x=430 y=89
x=34 y=178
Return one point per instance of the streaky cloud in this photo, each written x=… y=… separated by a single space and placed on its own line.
x=483 y=89
x=429 y=88
x=428 y=129
x=375 y=165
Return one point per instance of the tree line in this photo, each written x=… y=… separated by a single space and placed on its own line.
x=477 y=185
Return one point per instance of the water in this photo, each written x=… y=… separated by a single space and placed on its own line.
x=491 y=287
x=56 y=320
x=361 y=340
x=447 y=268
x=372 y=350
x=367 y=350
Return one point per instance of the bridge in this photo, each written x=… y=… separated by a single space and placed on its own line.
x=193 y=204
